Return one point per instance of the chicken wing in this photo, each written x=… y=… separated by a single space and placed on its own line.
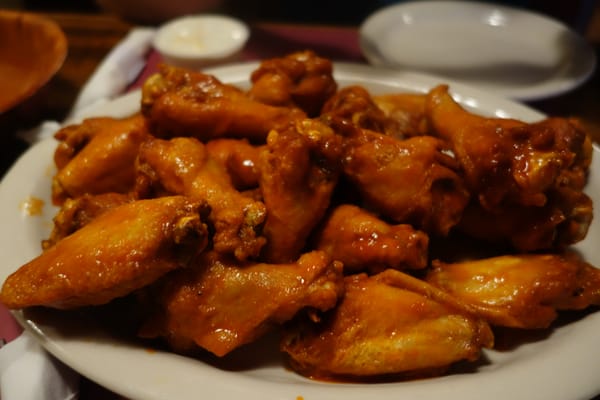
x=240 y=158
x=386 y=324
x=522 y=291
x=509 y=164
x=562 y=221
x=180 y=102
x=299 y=170
x=78 y=212
x=365 y=243
x=118 y=252
x=407 y=110
x=355 y=105
x=183 y=166
x=219 y=305
x=408 y=181
x=97 y=156
x=301 y=79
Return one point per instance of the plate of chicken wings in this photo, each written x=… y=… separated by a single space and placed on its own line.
x=298 y=228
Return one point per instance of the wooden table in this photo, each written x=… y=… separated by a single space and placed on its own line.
x=92 y=36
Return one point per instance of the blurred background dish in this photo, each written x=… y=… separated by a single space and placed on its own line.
x=509 y=51
x=32 y=50
x=196 y=41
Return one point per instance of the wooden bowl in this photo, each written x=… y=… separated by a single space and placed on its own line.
x=32 y=50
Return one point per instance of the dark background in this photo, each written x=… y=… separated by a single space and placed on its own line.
x=575 y=13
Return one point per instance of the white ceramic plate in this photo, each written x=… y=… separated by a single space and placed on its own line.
x=562 y=366
x=507 y=51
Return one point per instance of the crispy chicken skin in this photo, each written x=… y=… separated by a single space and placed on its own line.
x=97 y=156
x=299 y=170
x=183 y=166
x=118 y=252
x=220 y=304
x=509 y=165
x=301 y=79
x=180 y=102
x=520 y=291
x=389 y=323
x=365 y=243
x=408 y=181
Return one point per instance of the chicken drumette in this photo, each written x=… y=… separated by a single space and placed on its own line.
x=300 y=79
x=526 y=179
x=299 y=170
x=183 y=166
x=365 y=243
x=180 y=102
x=97 y=156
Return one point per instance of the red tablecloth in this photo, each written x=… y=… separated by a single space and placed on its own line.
x=9 y=329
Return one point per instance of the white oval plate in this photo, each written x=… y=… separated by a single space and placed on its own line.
x=563 y=365
x=507 y=51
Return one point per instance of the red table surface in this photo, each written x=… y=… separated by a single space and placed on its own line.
x=9 y=328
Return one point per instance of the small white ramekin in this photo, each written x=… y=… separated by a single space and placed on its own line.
x=198 y=41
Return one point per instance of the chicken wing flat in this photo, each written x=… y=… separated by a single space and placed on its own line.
x=301 y=79
x=78 y=212
x=118 y=252
x=240 y=158
x=509 y=164
x=180 y=102
x=408 y=181
x=365 y=243
x=97 y=156
x=299 y=170
x=182 y=166
x=520 y=291
x=219 y=304
x=386 y=324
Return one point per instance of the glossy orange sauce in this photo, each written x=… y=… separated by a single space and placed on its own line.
x=32 y=206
